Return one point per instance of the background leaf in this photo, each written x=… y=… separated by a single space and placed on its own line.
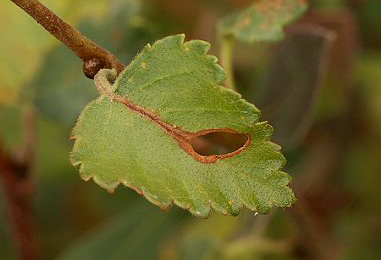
x=263 y=21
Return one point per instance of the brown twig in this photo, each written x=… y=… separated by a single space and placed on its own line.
x=17 y=187
x=93 y=56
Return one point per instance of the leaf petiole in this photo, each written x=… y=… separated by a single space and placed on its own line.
x=103 y=82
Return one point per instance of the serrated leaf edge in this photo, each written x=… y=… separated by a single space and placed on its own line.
x=165 y=206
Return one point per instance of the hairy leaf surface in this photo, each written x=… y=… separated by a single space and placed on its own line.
x=263 y=21
x=140 y=132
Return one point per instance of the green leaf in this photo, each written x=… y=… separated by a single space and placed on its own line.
x=140 y=132
x=263 y=21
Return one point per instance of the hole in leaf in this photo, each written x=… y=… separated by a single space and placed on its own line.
x=218 y=143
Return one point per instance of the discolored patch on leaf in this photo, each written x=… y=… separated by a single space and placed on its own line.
x=263 y=21
x=141 y=133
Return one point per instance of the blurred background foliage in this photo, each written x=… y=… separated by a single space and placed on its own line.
x=320 y=88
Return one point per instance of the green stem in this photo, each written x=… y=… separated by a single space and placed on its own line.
x=227 y=46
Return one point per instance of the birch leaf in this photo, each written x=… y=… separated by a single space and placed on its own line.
x=262 y=21
x=145 y=129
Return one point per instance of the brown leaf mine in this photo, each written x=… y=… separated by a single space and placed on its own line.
x=230 y=141
x=218 y=143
